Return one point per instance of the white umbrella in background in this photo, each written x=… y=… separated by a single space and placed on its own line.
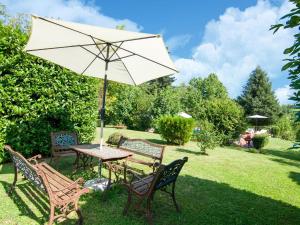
x=184 y=115
x=257 y=117
x=122 y=56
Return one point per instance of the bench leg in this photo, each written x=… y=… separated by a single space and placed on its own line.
x=148 y=211
x=79 y=214
x=174 y=199
x=15 y=180
x=51 y=217
x=126 y=208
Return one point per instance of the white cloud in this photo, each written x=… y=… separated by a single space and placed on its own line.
x=70 y=10
x=178 y=41
x=236 y=43
x=283 y=94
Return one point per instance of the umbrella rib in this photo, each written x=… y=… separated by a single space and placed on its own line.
x=135 y=39
x=90 y=63
x=49 y=21
x=147 y=59
x=126 y=69
x=50 y=48
x=118 y=59
x=115 y=51
x=97 y=56
x=98 y=46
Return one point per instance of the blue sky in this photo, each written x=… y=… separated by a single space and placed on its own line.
x=227 y=37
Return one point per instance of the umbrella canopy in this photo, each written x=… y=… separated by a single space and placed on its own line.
x=133 y=58
x=122 y=56
x=257 y=117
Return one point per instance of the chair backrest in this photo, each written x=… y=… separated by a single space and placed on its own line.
x=168 y=174
x=62 y=139
x=29 y=171
x=142 y=147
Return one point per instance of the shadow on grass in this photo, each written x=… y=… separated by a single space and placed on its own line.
x=188 y=151
x=31 y=194
x=202 y=202
x=157 y=141
x=287 y=162
x=295 y=177
x=287 y=154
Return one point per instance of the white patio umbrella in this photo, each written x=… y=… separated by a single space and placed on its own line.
x=257 y=117
x=122 y=56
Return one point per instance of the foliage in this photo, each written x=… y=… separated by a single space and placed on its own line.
x=260 y=141
x=114 y=138
x=285 y=127
x=159 y=84
x=292 y=21
x=275 y=131
x=298 y=134
x=129 y=105
x=209 y=87
x=207 y=140
x=258 y=97
x=226 y=115
x=175 y=129
x=167 y=102
x=38 y=97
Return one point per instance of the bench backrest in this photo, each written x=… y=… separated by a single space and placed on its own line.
x=167 y=174
x=62 y=139
x=22 y=165
x=142 y=147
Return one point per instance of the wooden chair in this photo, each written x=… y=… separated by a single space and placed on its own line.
x=62 y=192
x=60 y=142
x=145 y=188
x=144 y=153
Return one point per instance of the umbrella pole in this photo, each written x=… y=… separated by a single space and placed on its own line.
x=103 y=105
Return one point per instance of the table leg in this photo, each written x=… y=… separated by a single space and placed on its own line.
x=100 y=168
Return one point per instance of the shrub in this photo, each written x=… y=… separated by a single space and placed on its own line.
x=298 y=134
x=38 y=97
x=285 y=125
x=207 y=140
x=260 y=141
x=275 y=131
x=114 y=138
x=175 y=129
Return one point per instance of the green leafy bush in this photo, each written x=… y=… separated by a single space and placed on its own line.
x=207 y=140
x=275 y=131
x=114 y=138
x=286 y=130
x=175 y=129
x=38 y=97
x=260 y=141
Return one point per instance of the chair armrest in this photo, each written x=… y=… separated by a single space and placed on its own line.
x=34 y=159
x=75 y=184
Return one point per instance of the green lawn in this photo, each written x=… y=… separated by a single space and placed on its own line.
x=230 y=186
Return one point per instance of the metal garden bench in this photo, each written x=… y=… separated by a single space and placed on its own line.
x=63 y=193
x=145 y=188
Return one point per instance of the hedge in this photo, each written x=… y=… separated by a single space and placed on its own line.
x=175 y=129
x=38 y=97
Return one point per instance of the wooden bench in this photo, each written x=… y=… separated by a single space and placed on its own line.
x=144 y=153
x=63 y=193
x=145 y=188
x=60 y=142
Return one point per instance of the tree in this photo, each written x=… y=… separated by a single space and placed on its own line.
x=209 y=87
x=157 y=85
x=292 y=21
x=258 y=97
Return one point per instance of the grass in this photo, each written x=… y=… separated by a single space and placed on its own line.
x=229 y=186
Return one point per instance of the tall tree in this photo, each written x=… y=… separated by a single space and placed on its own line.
x=292 y=21
x=258 y=97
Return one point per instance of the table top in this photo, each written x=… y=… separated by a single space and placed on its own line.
x=105 y=154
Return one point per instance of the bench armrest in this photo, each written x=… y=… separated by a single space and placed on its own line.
x=34 y=159
x=76 y=183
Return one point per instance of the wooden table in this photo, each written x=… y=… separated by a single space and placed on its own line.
x=86 y=153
